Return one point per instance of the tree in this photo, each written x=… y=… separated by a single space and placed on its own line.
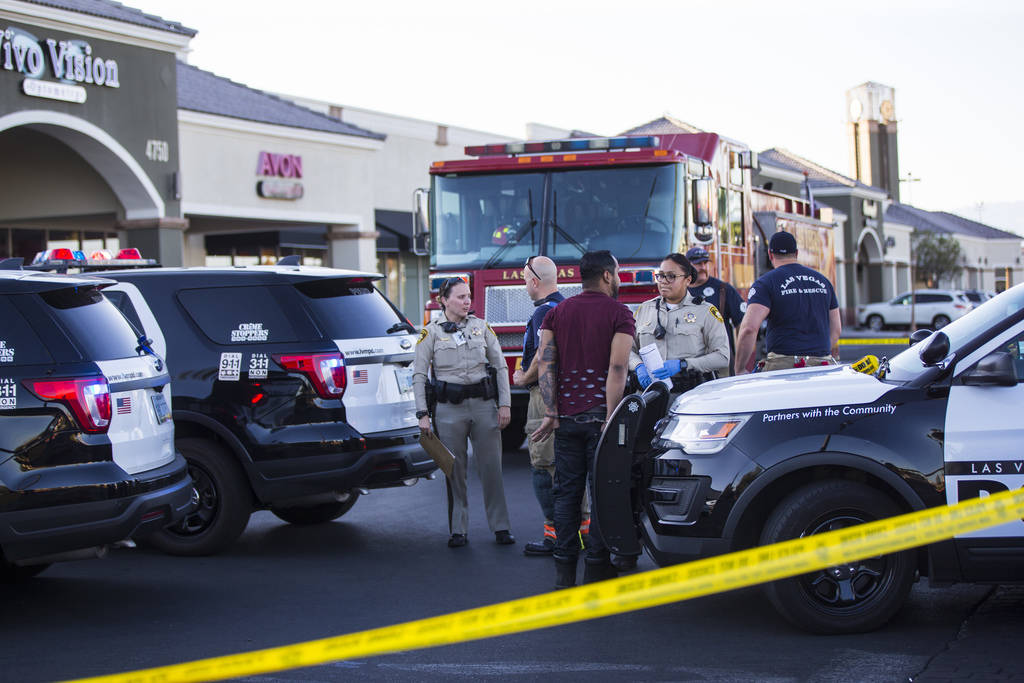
x=936 y=257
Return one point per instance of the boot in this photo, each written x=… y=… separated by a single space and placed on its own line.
x=545 y=547
x=598 y=569
x=565 y=572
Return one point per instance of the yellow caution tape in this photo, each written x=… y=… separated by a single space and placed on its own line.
x=864 y=341
x=638 y=591
x=867 y=365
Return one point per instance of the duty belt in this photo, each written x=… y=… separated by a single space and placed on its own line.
x=449 y=392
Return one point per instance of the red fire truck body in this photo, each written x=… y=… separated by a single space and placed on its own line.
x=640 y=197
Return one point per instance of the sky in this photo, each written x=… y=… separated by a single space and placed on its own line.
x=769 y=74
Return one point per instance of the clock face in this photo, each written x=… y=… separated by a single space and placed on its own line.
x=885 y=109
x=855 y=110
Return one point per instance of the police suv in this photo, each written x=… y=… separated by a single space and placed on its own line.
x=757 y=459
x=292 y=391
x=87 y=454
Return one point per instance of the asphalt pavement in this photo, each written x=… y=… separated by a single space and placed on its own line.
x=386 y=562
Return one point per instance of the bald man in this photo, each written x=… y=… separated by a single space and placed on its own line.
x=541 y=277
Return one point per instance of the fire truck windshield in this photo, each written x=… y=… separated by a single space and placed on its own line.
x=499 y=220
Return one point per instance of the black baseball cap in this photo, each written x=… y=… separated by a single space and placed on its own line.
x=782 y=243
x=697 y=255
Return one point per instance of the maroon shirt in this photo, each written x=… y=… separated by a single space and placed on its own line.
x=583 y=326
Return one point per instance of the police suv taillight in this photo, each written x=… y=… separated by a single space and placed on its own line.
x=325 y=370
x=88 y=398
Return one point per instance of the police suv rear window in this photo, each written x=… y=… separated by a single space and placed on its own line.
x=19 y=344
x=247 y=315
x=95 y=327
x=347 y=309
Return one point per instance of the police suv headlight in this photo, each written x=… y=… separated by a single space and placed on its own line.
x=703 y=434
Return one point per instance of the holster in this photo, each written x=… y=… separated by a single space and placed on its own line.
x=688 y=379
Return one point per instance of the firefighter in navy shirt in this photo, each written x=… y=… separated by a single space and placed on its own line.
x=801 y=308
x=720 y=294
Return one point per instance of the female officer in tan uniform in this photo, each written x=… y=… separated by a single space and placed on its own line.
x=690 y=336
x=461 y=347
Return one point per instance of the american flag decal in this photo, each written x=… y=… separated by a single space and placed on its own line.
x=124 y=405
x=360 y=376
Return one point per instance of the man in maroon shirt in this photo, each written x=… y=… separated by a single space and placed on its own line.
x=582 y=361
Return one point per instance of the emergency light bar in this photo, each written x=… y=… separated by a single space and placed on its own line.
x=570 y=145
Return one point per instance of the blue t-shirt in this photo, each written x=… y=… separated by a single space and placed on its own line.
x=800 y=299
x=531 y=338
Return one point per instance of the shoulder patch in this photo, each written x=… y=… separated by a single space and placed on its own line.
x=714 y=312
x=423 y=335
x=490 y=330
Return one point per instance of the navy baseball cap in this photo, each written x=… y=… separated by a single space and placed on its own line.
x=782 y=243
x=697 y=255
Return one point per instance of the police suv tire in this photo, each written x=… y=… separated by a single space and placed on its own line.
x=940 y=321
x=855 y=597
x=12 y=573
x=513 y=435
x=875 y=322
x=225 y=502
x=316 y=514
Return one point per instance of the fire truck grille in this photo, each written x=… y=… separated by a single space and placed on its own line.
x=511 y=340
x=510 y=305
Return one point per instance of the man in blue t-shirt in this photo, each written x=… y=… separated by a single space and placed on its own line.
x=801 y=308
x=541 y=277
x=720 y=294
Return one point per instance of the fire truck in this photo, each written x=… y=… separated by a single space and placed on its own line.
x=640 y=197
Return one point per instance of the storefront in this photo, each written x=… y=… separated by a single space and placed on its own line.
x=88 y=131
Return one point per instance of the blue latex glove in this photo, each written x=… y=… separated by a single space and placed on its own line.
x=671 y=367
x=642 y=376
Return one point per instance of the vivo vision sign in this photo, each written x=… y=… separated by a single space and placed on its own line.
x=70 y=62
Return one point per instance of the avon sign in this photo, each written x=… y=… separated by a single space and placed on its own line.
x=280 y=165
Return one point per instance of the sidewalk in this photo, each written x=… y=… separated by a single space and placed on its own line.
x=989 y=646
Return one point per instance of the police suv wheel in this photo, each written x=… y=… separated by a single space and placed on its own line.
x=225 y=502
x=875 y=323
x=856 y=596
x=316 y=514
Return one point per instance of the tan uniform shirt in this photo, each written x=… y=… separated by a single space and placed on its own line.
x=459 y=357
x=694 y=332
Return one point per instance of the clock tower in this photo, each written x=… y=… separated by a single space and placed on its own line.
x=871 y=116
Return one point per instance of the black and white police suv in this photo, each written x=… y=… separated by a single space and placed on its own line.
x=87 y=453
x=292 y=391
x=756 y=459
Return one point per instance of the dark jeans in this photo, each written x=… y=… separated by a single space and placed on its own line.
x=575 y=445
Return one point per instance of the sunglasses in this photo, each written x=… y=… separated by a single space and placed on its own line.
x=530 y=261
x=447 y=285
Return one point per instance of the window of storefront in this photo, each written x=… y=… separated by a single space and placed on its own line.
x=26 y=243
x=266 y=248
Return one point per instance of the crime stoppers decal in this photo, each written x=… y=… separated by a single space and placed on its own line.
x=6 y=353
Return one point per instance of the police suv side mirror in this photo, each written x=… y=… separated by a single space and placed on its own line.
x=994 y=369
x=704 y=210
x=935 y=349
x=919 y=335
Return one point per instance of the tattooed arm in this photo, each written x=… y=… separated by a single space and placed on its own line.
x=546 y=361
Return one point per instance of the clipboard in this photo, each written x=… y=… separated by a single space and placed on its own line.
x=438 y=452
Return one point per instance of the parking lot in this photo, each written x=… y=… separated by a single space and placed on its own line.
x=386 y=562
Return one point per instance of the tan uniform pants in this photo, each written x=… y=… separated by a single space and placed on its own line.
x=475 y=421
x=777 y=361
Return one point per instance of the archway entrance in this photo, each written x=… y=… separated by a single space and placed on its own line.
x=67 y=183
x=869 y=268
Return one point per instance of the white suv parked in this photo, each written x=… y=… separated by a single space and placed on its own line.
x=933 y=308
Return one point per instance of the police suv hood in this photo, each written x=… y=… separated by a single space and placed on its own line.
x=781 y=390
